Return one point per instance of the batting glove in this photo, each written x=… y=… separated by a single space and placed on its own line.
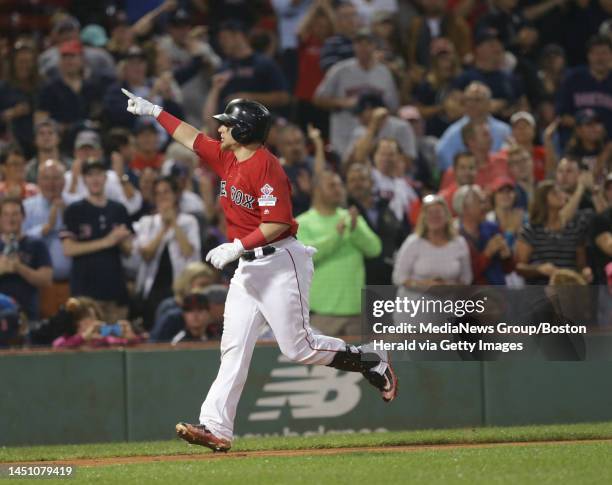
x=225 y=253
x=140 y=106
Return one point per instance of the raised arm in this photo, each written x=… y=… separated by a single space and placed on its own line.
x=540 y=9
x=317 y=7
x=182 y=132
x=314 y=134
x=569 y=210
x=144 y=25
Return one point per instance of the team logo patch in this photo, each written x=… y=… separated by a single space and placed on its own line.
x=85 y=231
x=267 y=199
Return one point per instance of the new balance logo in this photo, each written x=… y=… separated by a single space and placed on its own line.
x=309 y=392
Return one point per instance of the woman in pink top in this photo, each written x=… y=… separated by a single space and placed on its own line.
x=86 y=328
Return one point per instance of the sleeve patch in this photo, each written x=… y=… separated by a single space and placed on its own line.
x=267 y=199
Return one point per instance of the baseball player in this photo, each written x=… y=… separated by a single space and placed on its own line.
x=273 y=278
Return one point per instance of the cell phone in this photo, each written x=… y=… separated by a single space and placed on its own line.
x=11 y=247
x=109 y=329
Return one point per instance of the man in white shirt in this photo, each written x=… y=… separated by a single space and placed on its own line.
x=87 y=146
x=367 y=8
x=389 y=180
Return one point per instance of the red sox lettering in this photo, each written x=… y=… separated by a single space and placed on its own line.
x=241 y=198
x=237 y=196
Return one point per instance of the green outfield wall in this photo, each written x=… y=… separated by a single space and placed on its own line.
x=140 y=393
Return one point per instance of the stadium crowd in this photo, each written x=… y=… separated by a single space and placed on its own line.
x=428 y=142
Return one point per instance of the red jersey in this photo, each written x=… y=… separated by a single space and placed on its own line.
x=139 y=162
x=486 y=174
x=538 y=155
x=23 y=192
x=253 y=191
x=310 y=73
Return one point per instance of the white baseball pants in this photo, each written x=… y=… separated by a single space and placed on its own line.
x=273 y=289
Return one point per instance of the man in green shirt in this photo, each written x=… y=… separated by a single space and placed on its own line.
x=342 y=239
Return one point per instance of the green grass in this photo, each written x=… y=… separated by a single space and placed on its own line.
x=584 y=463
x=472 y=435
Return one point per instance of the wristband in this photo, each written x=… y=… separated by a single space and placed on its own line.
x=169 y=122
x=254 y=239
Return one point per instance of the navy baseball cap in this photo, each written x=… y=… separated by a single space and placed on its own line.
x=144 y=124
x=586 y=116
x=178 y=170
x=93 y=164
x=195 y=301
x=486 y=34
x=233 y=25
x=552 y=50
x=135 y=52
x=364 y=33
x=179 y=17
x=368 y=100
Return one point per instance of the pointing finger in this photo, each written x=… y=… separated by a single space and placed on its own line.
x=128 y=94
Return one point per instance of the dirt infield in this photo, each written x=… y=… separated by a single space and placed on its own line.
x=203 y=455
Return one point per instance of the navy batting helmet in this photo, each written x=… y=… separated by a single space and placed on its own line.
x=249 y=120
